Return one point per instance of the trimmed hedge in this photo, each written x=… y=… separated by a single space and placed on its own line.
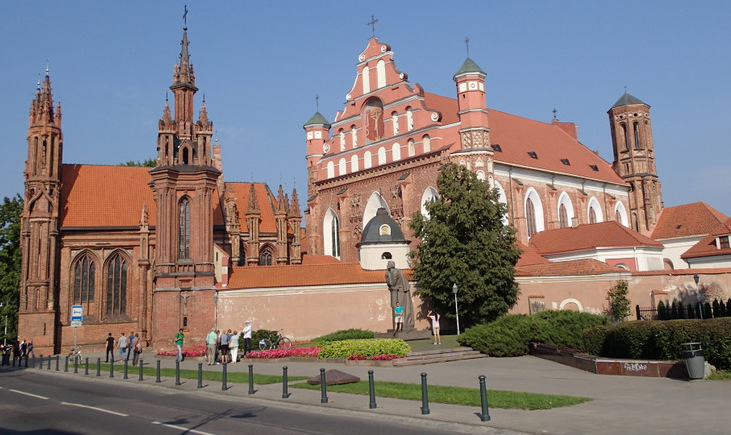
x=511 y=335
x=365 y=347
x=346 y=334
x=655 y=339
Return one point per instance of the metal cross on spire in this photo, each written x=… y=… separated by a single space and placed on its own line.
x=372 y=23
x=467 y=44
x=185 y=16
x=554 y=113
x=317 y=103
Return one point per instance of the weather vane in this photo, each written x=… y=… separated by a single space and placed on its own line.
x=185 y=16
x=317 y=103
x=467 y=44
x=372 y=23
x=554 y=113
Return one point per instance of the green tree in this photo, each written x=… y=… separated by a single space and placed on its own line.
x=619 y=305
x=149 y=163
x=10 y=211
x=465 y=242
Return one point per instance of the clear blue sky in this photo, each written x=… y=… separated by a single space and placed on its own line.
x=260 y=65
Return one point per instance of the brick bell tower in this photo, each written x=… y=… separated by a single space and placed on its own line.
x=634 y=160
x=39 y=234
x=184 y=187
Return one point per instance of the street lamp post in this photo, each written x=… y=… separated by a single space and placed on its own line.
x=456 y=308
x=215 y=310
x=5 y=336
x=698 y=297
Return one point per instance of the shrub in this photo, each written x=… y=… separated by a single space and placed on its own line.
x=346 y=334
x=285 y=353
x=651 y=339
x=618 y=302
x=511 y=335
x=366 y=347
x=258 y=335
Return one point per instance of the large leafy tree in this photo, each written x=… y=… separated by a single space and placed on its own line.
x=465 y=242
x=10 y=211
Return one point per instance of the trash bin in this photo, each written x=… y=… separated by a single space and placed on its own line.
x=694 y=360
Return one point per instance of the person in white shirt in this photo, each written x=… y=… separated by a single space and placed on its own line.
x=434 y=316
x=233 y=345
x=247 y=337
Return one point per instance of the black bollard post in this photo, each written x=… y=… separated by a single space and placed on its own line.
x=251 y=378
x=285 y=381
x=33 y=362
x=66 y=364
x=26 y=361
x=49 y=362
x=224 y=378
x=424 y=395
x=86 y=366
x=76 y=364
x=111 y=369
x=157 y=373
x=58 y=358
x=141 y=369
x=98 y=366
x=177 y=372
x=371 y=391
x=323 y=387
x=200 y=375
x=126 y=369
x=485 y=416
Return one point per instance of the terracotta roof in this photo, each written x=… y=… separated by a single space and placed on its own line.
x=568 y=268
x=706 y=247
x=244 y=277
x=530 y=256
x=314 y=259
x=105 y=196
x=517 y=136
x=266 y=204
x=685 y=220
x=589 y=236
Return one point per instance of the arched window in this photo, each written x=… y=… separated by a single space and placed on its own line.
x=595 y=211
x=503 y=199
x=430 y=194
x=116 y=285
x=354 y=163
x=625 y=135
x=381 y=156
x=565 y=210
x=620 y=214
x=395 y=152
x=342 y=169
x=342 y=140
x=366 y=81
x=563 y=216
x=636 y=128
x=331 y=234
x=533 y=213
x=409 y=119
x=530 y=217
x=354 y=136
x=592 y=216
x=84 y=274
x=381 y=73
x=375 y=201
x=367 y=160
x=411 y=148
x=184 y=228
x=330 y=169
x=427 y=144
x=265 y=258
x=394 y=121
x=373 y=120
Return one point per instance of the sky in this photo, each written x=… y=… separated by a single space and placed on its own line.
x=261 y=66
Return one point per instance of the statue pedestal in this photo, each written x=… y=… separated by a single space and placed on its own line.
x=405 y=335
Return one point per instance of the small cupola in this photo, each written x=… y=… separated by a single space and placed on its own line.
x=382 y=240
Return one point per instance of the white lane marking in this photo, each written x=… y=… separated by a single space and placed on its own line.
x=185 y=429
x=95 y=409
x=29 y=394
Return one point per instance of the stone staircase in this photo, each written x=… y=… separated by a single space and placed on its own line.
x=437 y=356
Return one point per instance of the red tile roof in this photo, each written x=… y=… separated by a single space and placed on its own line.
x=266 y=204
x=706 y=247
x=589 y=236
x=530 y=256
x=517 y=136
x=568 y=268
x=685 y=220
x=243 y=277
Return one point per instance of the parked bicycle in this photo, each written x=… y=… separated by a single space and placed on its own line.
x=275 y=341
x=75 y=355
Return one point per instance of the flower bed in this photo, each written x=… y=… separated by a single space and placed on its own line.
x=286 y=353
x=191 y=351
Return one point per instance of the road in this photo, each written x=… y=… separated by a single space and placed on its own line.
x=34 y=401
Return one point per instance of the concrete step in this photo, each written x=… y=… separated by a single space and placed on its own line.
x=437 y=356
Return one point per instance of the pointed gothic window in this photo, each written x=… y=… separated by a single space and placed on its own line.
x=84 y=272
x=625 y=136
x=184 y=229
x=563 y=217
x=331 y=234
x=116 y=285
x=530 y=216
x=592 y=216
x=265 y=259
x=637 y=135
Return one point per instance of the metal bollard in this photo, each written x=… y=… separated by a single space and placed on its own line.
x=49 y=363
x=285 y=392
x=26 y=361
x=200 y=375
x=33 y=362
x=157 y=373
x=251 y=378
x=58 y=358
x=424 y=395
x=98 y=366
x=485 y=416
x=177 y=372
x=111 y=369
x=66 y=364
x=224 y=378
x=126 y=369
x=76 y=364
x=371 y=391
x=86 y=366
x=323 y=387
x=141 y=371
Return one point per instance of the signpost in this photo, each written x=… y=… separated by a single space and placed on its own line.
x=77 y=316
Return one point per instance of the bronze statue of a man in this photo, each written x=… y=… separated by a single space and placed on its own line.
x=399 y=288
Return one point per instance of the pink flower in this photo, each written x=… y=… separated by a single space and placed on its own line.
x=285 y=353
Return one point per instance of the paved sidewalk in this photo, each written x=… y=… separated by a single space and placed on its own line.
x=620 y=404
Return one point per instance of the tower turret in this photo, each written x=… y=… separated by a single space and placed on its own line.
x=317 y=131
x=473 y=116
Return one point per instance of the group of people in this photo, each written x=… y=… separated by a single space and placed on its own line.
x=20 y=349
x=127 y=346
x=222 y=346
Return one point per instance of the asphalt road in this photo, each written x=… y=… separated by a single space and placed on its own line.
x=34 y=402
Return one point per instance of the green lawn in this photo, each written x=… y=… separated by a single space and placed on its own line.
x=448 y=342
x=455 y=395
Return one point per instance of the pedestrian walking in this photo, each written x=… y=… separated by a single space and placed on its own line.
x=211 y=340
x=110 y=347
x=179 y=337
x=122 y=343
x=136 y=349
x=233 y=346
x=223 y=345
